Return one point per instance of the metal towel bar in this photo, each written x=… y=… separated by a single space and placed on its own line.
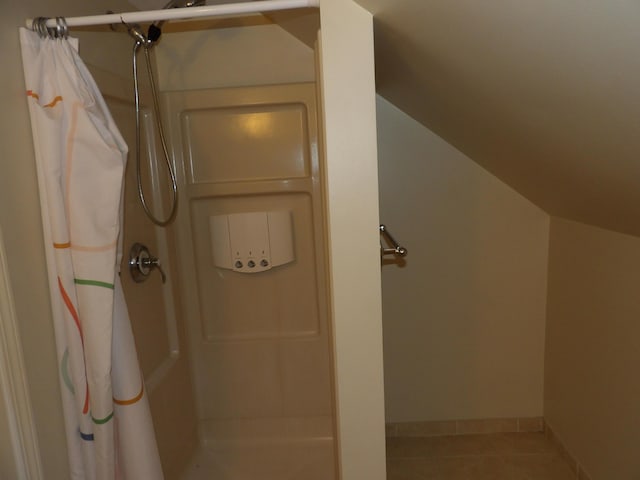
x=396 y=250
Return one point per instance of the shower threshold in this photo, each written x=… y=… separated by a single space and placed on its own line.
x=267 y=449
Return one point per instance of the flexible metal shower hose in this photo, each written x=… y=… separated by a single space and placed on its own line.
x=156 y=110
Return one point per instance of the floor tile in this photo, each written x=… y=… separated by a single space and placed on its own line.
x=412 y=468
x=412 y=447
x=542 y=467
x=480 y=467
x=499 y=456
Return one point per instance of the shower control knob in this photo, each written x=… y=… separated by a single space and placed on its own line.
x=264 y=263
x=251 y=264
x=153 y=262
x=238 y=264
x=142 y=263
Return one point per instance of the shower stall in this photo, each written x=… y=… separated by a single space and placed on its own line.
x=231 y=307
x=243 y=300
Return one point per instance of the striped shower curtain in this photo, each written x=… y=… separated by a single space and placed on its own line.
x=80 y=158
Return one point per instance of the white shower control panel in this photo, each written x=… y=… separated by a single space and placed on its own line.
x=252 y=242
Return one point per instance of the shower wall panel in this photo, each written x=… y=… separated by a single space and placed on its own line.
x=262 y=374
x=153 y=305
x=257 y=142
x=239 y=306
x=260 y=342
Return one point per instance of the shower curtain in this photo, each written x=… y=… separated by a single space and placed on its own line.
x=80 y=157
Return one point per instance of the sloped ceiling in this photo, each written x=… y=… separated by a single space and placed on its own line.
x=544 y=94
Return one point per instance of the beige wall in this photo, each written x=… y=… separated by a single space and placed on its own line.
x=19 y=455
x=464 y=319
x=9 y=440
x=592 y=386
x=8 y=467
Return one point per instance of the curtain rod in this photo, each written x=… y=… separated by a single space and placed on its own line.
x=185 y=13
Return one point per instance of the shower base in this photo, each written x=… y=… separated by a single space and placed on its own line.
x=273 y=449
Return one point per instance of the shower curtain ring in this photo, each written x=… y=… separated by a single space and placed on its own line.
x=38 y=26
x=62 y=30
x=42 y=29
x=35 y=25
x=51 y=32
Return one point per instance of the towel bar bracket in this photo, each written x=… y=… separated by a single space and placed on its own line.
x=395 y=249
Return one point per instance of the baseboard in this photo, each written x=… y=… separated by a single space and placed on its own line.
x=465 y=427
x=573 y=462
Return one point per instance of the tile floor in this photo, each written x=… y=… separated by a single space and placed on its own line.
x=499 y=456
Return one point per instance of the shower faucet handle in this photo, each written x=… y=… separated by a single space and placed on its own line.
x=154 y=263
x=142 y=263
